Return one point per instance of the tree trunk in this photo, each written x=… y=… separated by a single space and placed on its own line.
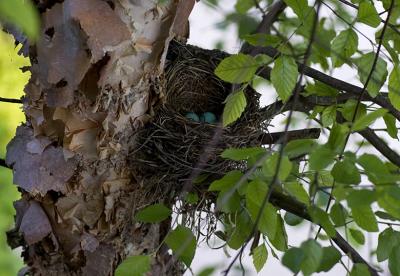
x=96 y=74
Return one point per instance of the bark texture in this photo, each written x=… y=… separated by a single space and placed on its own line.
x=96 y=74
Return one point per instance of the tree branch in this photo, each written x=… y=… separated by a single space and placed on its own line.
x=293 y=206
x=380 y=145
x=276 y=137
x=7 y=100
x=331 y=81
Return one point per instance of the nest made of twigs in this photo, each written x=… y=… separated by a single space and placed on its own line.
x=174 y=148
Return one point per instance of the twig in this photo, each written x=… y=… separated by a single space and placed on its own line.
x=4 y=164
x=293 y=206
x=8 y=100
x=276 y=137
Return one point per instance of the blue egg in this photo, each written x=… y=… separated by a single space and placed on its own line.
x=192 y=116
x=208 y=117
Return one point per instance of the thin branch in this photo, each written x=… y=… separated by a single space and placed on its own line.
x=4 y=164
x=331 y=81
x=276 y=137
x=8 y=100
x=380 y=145
x=293 y=206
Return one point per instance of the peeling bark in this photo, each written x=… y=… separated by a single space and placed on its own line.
x=96 y=73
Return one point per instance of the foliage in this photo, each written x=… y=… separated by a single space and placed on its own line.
x=12 y=81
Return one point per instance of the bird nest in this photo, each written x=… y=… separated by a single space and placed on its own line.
x=174 y=148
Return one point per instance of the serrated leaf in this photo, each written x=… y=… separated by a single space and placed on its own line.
x=22 y=14
x=238 y=154
x=183 y=243
x=390 y=122
x=359 y=270
x=338 y=214
x=153 y=213
x=298 y=6
x=321 y=157
x=256 y=192
x=357 y=235
x=337 y=137
x=343 y=46
x=349 y=108
x=280 y=240
x=299 y=147
x=394 y=264
x=262 y=40
x=313 y=256
x=328 y=116
x=378 y=77
x=237 y=68
x=284 y=76
x=226 y=182
x=228 y=201
x=367 y=14
x=270 y=166
x=321 y=217
x=293 y=259
x=330 y=257
x=346 y=172
x=234 y=107
x=241 y=230
x=387 y=240
x=134 y=266
x=242 y=6
x=366 y=120
x=394 y=87
x=297 y=190
x=365 y=218
x=260 y=255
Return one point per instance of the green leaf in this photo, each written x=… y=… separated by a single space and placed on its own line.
x=376 y=170
x=366 y=120
x=226 y=182
x=153 y=213
x=321 y=157
x=378 y=77
x=313 y=256
x=321 y=217
x=237 y=68
x=337 y=137
x=292 y=219
x=270 y=166
x=280 y=240
x=394 y=87
x=367 y=14
x=357 y=235
x=391 y=127
x=358 y=198
x=256 y=192
x=262 y=40
x=134 y=266
x=238 y=154
x=228 y=201
x=394 y=264
x=359 y=270
x=298 y=6
x=208 y=271
x=338 y=214
x=330 y=257
x=389 y=200
x=183 y=243
x=349 y=108
x=346 y=172
x=343 y=46
x=365 y=218
x=242 y=6
x=299 y=147
x=284 y=76
x=241 y=230
x=387 y=240
x=234 y=107
x=293 y=259
x=328 y=116
x=297 y=190
x=22 y=14
x=260 y=255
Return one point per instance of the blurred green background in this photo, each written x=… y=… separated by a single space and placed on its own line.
x=12 y=82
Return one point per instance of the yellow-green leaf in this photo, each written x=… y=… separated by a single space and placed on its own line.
x=284 y=76
x=234 y=107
